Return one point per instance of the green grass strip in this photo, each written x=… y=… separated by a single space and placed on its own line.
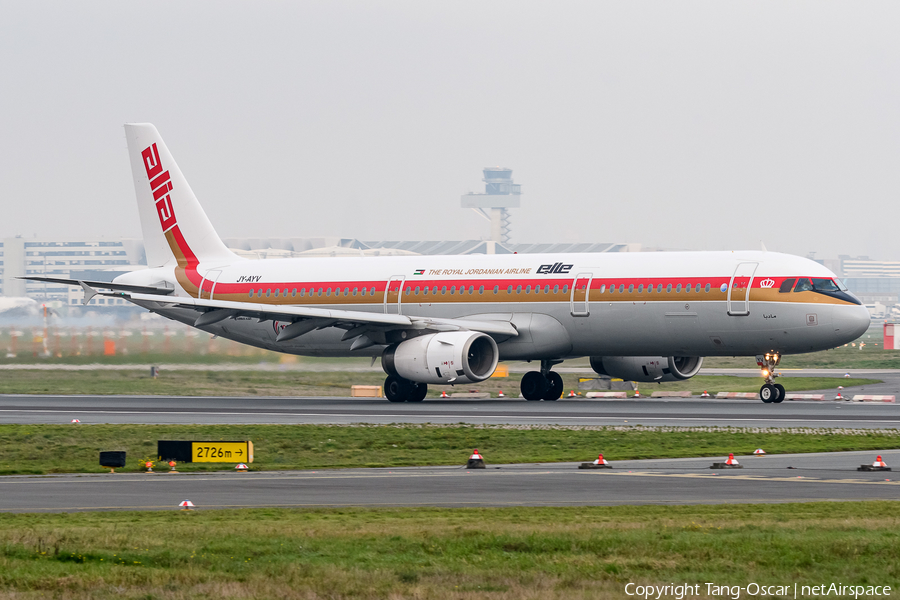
x=503 y=554
x=74 y=448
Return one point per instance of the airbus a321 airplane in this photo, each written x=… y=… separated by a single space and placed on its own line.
x=448 y=319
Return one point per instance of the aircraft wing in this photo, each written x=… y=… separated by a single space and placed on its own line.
x=369 y=328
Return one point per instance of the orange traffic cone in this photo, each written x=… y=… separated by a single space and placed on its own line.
x=637 y=394
x=572 y=394
x=705 y=394
x=476 y=461
x=500 y=395
x=731 y=460
x=444 y=394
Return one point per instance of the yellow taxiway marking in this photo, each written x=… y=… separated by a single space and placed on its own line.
x=720 y=476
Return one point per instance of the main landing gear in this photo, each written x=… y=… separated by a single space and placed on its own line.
x=770 y=391
x=397 y=389
x=544 y=384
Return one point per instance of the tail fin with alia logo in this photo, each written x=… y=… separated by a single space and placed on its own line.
x=175 y=228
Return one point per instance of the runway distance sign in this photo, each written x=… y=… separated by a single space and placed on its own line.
x=208 y=451
x=222 y=452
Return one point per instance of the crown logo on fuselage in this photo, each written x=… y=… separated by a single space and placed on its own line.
x=767 y=283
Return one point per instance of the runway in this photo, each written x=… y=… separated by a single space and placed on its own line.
x=814 y=477
x=29 y=409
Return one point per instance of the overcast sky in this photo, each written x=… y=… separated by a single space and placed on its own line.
x=695 y=125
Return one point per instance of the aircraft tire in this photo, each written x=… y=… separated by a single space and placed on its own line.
x=554 y=387
x=533 y=385
x=768 y=393
x=418 y=392
x=397 y=389
x=781 y=393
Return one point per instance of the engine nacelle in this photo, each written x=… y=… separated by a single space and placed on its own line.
x=447 y=357
x=647 y=368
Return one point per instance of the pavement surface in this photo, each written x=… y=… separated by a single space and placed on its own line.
x=770 y=479
x=28 y=409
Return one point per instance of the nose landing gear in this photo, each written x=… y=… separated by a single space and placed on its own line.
x=544 y=384
x=770 y=391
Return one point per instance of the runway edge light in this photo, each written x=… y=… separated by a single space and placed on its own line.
x=878 y=465
x=600 y=463
x=730 y=463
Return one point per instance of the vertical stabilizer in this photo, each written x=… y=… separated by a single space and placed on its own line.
x=175 y=228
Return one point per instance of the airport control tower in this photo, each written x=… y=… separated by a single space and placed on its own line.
x=500 y=194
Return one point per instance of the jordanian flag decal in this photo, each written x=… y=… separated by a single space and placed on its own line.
x=419 y=272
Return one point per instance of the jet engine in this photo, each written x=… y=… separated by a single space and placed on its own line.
x=647 y=368
x=446 y=357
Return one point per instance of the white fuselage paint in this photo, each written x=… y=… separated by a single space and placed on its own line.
x=552 y=325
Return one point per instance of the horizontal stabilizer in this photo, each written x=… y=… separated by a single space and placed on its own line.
x=105 y=285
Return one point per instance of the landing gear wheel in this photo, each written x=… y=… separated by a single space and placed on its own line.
x=418 y=393
x=397 y=389
x=554 y=386
x=781 y=393
x=533 y=385
x=768 y=393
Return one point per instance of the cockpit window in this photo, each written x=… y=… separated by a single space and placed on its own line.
x=825 y=285
x=786 y=285
x=841 y=285
x=804 y=285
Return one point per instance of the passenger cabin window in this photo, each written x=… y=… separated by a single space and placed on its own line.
x=293 y=292
x=556 y=289
x=803 y=285
x=631 y=288
x=566 y=289
x=621 y=288
x=678 y=288
x=480 y=290
x=496 y=289
x=472 y=289
x=658 y=288
x=528 y=289
x=641 y=289
x=602 y=288
x=786 y=285
x=452 y=289
x=669 y=288
x=372 y=292
x=251 y=293
x=707 y=288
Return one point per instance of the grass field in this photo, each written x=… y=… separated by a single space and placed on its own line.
x=330 y=383
x=39 y=449
x=503 y=554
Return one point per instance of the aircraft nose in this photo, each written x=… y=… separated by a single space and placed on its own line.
x=850 y=322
